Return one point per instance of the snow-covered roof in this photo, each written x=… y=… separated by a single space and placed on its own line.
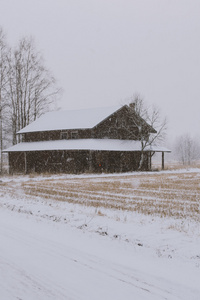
x=84 y=144
x=70 y=119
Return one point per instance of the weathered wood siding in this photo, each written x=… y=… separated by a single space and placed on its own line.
x=57 y=135
x=75 y=161
x=16 y=162
x=119 y=125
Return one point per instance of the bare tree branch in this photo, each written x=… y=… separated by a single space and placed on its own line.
x=3 y=83
x=151 y=127
x=187 y=149
x=32 y=89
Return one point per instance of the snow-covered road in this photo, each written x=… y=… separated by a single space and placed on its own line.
x=43 y=260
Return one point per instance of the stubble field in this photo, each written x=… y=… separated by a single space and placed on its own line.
x=162 y=194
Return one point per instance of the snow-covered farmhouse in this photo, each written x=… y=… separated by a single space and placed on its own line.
x=92 y=140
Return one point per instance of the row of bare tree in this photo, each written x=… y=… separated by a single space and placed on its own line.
x=27 y=89
x=187 y=149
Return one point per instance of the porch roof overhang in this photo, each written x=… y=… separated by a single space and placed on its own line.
x=85 y=144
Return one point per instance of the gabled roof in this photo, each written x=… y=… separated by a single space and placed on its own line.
x=70 y=119
x=85 y=144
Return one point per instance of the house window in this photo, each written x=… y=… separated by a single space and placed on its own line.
x=74 y=134
x=64 y=135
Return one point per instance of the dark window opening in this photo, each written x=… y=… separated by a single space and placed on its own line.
x=64 y=135
x=74 y=134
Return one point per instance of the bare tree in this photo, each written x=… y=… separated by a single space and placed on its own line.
x=151 y=127
x=187 y=149
x=32 y=88
x=3 y=91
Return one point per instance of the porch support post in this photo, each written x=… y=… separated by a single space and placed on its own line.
x=25 y=163
x=9 y=164
x=90 y=161
x=163 y=161
x=150 y=155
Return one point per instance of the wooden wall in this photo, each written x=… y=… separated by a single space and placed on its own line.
x=75 y=161
x=119 y=125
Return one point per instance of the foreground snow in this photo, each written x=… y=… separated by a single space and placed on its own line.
x=57 y=250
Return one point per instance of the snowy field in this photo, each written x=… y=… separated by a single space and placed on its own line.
x=130 y=236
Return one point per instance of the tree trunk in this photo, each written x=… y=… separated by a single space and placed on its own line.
x=141 y=161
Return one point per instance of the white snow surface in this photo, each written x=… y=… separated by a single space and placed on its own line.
x=85 y=144
x=56 y=250
x=70 y=119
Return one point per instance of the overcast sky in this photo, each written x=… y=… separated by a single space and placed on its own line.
x=103 y=51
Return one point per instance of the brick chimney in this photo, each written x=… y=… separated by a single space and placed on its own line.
x=132 y=105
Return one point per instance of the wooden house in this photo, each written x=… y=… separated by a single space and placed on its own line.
x=92 y=140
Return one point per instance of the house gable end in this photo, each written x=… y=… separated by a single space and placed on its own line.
x=123 y=124
x=117 y=126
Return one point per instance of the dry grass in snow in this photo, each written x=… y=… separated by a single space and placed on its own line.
x=163 y=194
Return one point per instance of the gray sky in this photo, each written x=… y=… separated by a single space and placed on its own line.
x=103 y=51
